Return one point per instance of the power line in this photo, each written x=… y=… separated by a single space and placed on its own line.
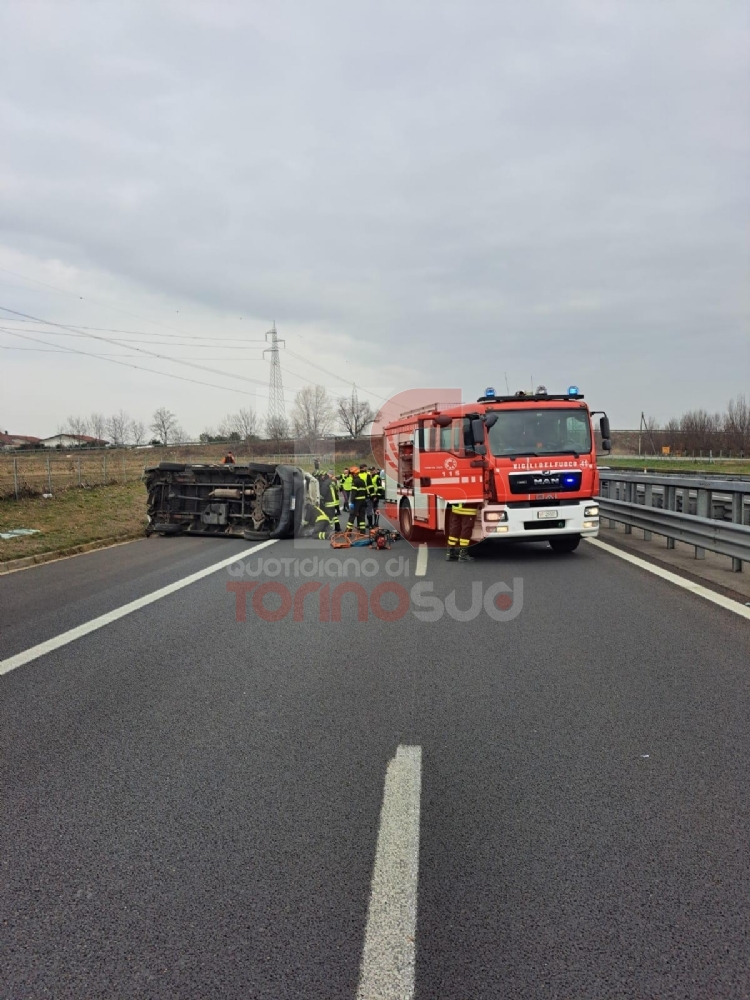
x=144 y=334
x=125 y=364
x=211 y=345
x=108 y=357
x=141 y=350
x=177 y=332
x=62 y=350
x=347 y=382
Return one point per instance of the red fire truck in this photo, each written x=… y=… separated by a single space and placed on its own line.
x=527 y=460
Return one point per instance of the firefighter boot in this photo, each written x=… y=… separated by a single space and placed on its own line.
x=464 y=556
x=451 y=555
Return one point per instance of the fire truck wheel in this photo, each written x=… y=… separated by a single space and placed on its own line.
x=406 y=523
x=567 y=543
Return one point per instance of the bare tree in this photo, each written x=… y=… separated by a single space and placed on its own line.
x=228 y=426
x=277 y=428
x=78 y=426
x=737 y=425
x=137 y=432
x=98 y=425
x=701 y=431
x=354 y=414
x=246 y=423
x=673 y=434
x=240 y=426
x=179 y=434
x=312 y=416
x=164 y=424
x=118 y=426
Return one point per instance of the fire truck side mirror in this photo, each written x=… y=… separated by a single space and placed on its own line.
x=480 y=449
x=604 y=426
x=490 y=420
x=477 y=432
x=606 y=444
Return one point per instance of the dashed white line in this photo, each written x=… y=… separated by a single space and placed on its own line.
x=387 y=969
x=34 y=652
x=422 y=553
x=679 y=581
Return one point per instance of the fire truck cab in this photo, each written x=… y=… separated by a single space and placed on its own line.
x=528 y=462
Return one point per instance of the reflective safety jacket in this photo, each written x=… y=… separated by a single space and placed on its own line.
x=329 y=495
x=464 y=509
x=346 y=482
x=360 y=487
x=319 y=515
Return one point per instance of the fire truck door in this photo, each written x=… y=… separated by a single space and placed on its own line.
x=421 y=500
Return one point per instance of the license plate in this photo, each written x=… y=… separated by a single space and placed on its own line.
x=544 y=514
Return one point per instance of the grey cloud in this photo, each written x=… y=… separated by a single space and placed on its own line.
x=564 y=184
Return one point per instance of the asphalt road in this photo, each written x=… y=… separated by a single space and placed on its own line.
x=191 y=803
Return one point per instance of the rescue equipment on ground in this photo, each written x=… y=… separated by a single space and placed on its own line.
x=377 y=538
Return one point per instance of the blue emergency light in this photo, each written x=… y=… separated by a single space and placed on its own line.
x=572 y=390
x=489 y=391
x=569 y=480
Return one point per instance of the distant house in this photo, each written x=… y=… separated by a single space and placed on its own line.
x=72 y=441
x=10 y=441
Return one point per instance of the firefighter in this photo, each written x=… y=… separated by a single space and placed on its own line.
x=228 y=459
x=329 y=499
x=459 y=524
x=358 y=499
x=320 y=521
x=369 y=506
x=346 y=487
x=377 y=494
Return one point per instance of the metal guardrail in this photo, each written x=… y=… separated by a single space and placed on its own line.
x=710 y=514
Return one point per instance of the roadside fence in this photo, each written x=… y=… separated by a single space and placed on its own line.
x=710 y=514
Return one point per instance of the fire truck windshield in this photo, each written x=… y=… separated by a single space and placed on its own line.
x=540 y=432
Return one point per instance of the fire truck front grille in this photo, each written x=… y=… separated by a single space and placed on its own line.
x=557 y=502
x=545 y=482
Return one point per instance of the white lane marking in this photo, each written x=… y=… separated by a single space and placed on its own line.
x=387 y=969
x=111 y=616
x=680 y=581
x=422 y=552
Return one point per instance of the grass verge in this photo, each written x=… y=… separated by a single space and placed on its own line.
x=72 y=517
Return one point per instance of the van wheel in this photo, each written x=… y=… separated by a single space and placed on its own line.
x=567 y=543
x=255 y=536
x=167 y=528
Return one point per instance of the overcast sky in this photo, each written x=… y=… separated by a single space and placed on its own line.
x=419 y=193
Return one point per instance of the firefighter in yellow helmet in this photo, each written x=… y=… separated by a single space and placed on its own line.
x=358 y=499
